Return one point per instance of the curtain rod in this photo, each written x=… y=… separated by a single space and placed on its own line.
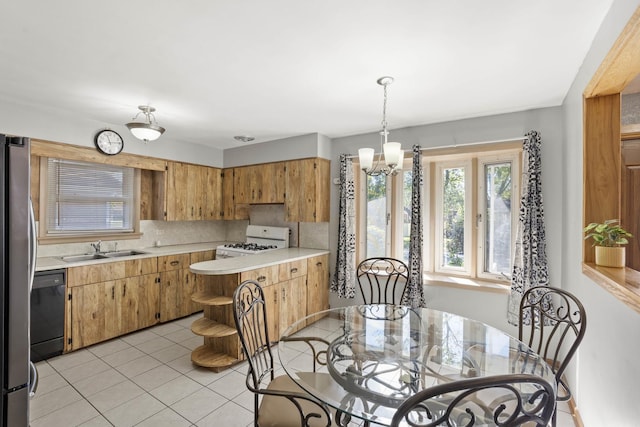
x=466 y=144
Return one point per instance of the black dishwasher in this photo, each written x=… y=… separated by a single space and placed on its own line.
x=47 y=314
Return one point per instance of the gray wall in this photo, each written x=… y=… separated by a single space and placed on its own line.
x=296 y=147
x=547 y=121
x=607 y=363
x=51 y=125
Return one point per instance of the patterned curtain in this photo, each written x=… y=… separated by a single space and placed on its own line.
x=530 y=267
x=344 y=280
x=414 y=296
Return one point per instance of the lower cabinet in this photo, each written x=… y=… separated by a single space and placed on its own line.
x=287 y=296
x=111 y=299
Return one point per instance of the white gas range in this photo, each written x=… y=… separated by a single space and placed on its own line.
x=260 y=239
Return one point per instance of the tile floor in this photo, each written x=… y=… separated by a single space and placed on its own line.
x=147 y=379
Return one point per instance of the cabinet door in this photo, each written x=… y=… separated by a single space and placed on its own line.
x=242 y=185
x=170 y=295
x=140 y=301
x=95 y=313
x=293 y=297
x=195 y=189
x=269 y=182
x=213 y=194
x=317 y=284
x=228 y=202
x=293 y=188
x=272 y=302
x=307 y=185
x=176 y=194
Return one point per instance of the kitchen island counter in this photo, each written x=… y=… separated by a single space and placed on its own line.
x=251 y=262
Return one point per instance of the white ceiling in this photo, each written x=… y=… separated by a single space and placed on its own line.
x=279 y=68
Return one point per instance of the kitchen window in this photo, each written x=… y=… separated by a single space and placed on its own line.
x=84 y=201
x=470 y=208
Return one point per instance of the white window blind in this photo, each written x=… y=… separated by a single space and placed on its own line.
x=89 y=197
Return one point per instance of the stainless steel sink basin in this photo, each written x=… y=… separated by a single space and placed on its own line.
x=87 y=257
x=123 y=253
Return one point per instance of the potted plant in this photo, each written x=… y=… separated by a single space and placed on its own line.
x=608 y=238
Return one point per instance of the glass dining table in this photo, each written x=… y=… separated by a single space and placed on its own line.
x=370 y=358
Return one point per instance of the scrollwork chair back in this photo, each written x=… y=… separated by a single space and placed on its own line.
x=283 y=404
x=382 y=280
x=504 y=400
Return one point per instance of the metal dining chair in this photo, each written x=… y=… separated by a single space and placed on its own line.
x=504 y=400
x=283 y=402
x=552 y=322
x=382 y=280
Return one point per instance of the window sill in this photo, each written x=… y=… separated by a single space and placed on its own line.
x=467 y=283
x=622 y=283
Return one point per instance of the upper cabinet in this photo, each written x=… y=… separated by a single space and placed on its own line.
x=302 y=185
x=307 y=184
x=192 y=192
x=263 y=183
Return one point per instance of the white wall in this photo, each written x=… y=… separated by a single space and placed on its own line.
x=51 y=125
x=607 y=362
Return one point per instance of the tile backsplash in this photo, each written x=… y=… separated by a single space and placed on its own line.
x=164 y=233
x=159 y=232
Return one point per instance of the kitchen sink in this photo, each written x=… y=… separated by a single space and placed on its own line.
x=116 y=254
x=86 y=257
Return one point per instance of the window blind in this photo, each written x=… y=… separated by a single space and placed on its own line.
x=89 y=197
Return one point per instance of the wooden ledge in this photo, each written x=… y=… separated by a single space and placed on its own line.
x=623 y=283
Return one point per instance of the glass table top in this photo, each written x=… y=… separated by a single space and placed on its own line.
x=370 y=358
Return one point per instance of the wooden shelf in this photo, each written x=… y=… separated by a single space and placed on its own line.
x=211 y=329
x=623 y=283
x=211 y=299
x=206 y=357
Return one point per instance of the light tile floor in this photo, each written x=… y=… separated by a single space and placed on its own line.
x=147 y=379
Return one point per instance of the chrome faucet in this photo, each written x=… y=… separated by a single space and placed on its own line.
x=96 y=246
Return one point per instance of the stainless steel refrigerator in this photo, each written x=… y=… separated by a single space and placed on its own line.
x=17 y=265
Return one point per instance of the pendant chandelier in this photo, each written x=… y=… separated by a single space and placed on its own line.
x=149 y=130
x=393 y=154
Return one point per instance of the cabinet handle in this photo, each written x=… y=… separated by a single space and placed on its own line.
x=200 y=214
x=294 y=270
x=284 y=295
x=192 y=211
x=262 y=278
x=174 y=263
x=113 y=292
x=124 y=290
x=319 y=264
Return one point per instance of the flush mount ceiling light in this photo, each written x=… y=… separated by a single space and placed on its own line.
x=244 y=138
x=147 y=130
x=393 y=153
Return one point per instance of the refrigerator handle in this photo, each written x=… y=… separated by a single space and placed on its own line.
x=33 y=246
x=33 y=379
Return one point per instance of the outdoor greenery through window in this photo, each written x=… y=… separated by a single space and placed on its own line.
x=470 y=209
x=89 y=198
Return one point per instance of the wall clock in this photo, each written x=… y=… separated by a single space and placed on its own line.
x=109 y=142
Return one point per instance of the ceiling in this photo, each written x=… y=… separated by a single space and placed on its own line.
x=279 y=68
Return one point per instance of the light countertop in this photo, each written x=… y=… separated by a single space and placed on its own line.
x=252 y=262
x=52 y=263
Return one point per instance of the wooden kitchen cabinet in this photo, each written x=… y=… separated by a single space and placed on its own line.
x=307 y=185
x=110 y=299
x=317 y=283
x=262 y=183
x=192 y=192
x=105 y=300
x=176 y=287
